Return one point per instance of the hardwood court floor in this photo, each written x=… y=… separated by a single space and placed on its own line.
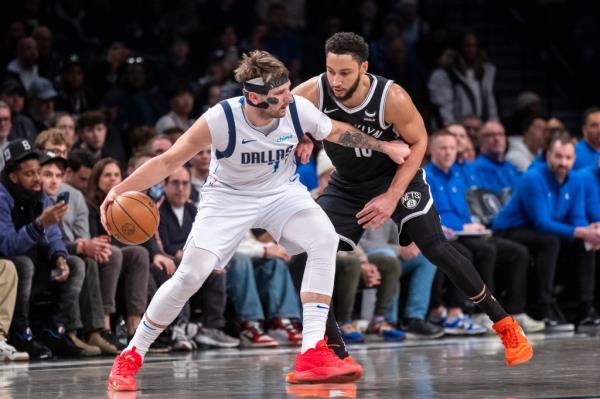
x=564 y=366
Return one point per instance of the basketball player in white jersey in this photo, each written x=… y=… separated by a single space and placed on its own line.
x=252 y=184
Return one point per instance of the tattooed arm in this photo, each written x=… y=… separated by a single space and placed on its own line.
x=349 y=136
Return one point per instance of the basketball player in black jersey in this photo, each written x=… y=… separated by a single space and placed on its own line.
x=367 y=188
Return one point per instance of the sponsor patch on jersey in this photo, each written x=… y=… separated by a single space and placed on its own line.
x=411 y=199
x=285 y=137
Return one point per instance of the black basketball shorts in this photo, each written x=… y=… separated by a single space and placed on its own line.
x=341 y=201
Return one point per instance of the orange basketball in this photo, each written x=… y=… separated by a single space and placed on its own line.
x=132 y=218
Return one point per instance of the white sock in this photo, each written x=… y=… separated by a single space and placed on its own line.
x=314 y=319
x=145 y=335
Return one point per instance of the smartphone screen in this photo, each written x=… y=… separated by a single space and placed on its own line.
x=64 y=196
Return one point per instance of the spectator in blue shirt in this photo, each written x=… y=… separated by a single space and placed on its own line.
x=491 y=254
x=587 y=151
x=495 y=172
x=591 y=177
x=466 y=149
x=547 y=213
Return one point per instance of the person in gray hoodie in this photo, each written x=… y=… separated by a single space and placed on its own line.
x=463 y=84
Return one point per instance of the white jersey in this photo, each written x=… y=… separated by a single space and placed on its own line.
x=247 y=160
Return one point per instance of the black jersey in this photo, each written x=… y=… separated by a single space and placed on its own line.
x=355 y=164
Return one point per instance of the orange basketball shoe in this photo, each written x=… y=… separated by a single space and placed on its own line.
x=321 y=365
x=125 y=367
x=518 y=350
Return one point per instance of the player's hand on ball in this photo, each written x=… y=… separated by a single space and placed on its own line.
x=110 y=198
x=304 y=149
x=377 y=211
x=397 y=150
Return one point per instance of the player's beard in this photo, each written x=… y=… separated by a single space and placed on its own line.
x=269 y=114
x=348 y=94
x=273 y=113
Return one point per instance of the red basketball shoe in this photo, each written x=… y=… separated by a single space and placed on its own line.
x=321 y=365
x=125 y=367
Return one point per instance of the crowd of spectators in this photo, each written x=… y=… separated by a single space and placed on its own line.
x=88 y=93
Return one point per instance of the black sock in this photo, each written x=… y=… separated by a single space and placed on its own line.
x=334 y=336
x=486 y=302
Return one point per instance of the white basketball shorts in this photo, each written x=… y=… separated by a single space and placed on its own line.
x=225 y=216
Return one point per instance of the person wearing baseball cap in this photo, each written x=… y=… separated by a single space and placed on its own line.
x=31 y=238
x=41 y=103
x=83 y=251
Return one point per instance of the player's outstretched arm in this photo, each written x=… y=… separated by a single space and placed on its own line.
x=161 y=166
x=348 y=136
x=402 y=113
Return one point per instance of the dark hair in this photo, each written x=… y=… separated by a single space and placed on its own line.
x=94 y=195
x=79 y=158
x=348 y=43
x=140 y=136
x=588 y=112
x=563 y=136
x=90 y=119
x=178 y=87
x=59 y=162
x=527 y=122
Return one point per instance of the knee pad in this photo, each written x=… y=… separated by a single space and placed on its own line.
x=319 y=273
x=195 y=267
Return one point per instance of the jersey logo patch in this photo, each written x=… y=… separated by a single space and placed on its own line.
x=411 y=199
x=285 y=137
x=246 y=141
x=328 y=111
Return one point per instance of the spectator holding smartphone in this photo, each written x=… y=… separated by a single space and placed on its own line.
x=31 y=238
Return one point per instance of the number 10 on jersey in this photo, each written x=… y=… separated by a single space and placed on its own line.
x=363 y=152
